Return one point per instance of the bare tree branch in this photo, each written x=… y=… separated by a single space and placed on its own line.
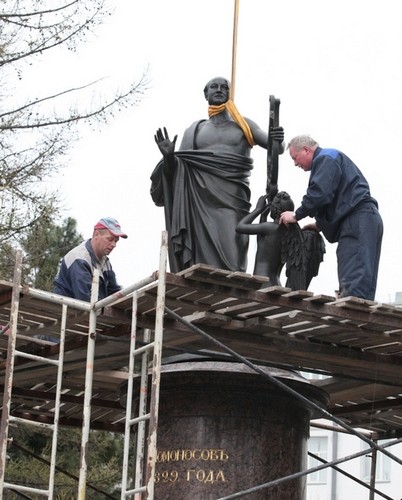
x=37 y=134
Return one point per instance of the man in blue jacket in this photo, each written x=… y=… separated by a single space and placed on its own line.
x=74 y=278
x=338 y=197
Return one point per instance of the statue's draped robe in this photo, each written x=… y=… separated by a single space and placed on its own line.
x=204 y=200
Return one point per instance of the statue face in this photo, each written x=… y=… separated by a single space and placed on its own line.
x=217 y=91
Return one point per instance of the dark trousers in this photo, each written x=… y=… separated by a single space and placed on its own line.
x=358 y=253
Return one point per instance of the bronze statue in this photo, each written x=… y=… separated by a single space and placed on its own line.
x=204 y=187
x=301 y=251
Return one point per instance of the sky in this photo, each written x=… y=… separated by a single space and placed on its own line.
x=335 y=66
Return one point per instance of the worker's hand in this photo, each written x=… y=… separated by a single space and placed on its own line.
x=277 y=133
x=165 y=145
x=287 y=218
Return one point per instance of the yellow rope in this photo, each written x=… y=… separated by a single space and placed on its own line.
x=234 y=113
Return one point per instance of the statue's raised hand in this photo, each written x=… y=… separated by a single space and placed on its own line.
x=165 y=145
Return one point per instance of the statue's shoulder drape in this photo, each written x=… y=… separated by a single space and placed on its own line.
x=204 y=199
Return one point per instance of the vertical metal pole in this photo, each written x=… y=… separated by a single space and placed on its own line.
x=234 y=48
x=57 y=401
x=129 y=398
x=334 y=473
x=8 y=382
x=156 y=369
x=88 y=388
x=142 y=410
x=373 y=472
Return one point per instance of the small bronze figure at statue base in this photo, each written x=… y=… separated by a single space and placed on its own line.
x=301 y=251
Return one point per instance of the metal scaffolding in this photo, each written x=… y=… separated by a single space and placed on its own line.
x=208 y=297
x=150 y=357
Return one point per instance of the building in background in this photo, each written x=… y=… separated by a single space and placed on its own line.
x=328 y=484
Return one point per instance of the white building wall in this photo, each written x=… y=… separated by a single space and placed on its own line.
x=339 y=487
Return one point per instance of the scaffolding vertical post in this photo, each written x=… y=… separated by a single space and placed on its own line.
x=89 y=373
x=156 y=370
x=129 y=397
x=373 y=472
x=12 y=337
x=57 y=400
x=142 y=411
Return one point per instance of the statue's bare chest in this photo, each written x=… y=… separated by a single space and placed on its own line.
x=225 y=136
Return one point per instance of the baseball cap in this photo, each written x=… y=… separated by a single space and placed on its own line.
x=112 y=225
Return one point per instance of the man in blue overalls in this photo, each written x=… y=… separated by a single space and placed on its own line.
x=338 y=197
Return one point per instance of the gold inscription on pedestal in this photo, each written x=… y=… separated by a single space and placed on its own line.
x=205 y=454
x=202 y=474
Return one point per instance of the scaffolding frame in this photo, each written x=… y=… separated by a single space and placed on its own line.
x=146 y=420
x=374 y=447
x=144 y=471
x=6 y=418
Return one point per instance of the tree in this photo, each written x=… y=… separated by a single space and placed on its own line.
x=29 y=458
x=37 y=130
x=44 y=245
x=7 y=261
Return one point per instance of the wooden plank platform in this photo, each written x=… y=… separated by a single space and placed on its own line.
x=355 y=343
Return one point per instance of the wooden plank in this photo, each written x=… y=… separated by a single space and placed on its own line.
x=232 y=279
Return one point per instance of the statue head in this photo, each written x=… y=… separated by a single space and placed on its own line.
x=217 y=90
x=281 y=203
